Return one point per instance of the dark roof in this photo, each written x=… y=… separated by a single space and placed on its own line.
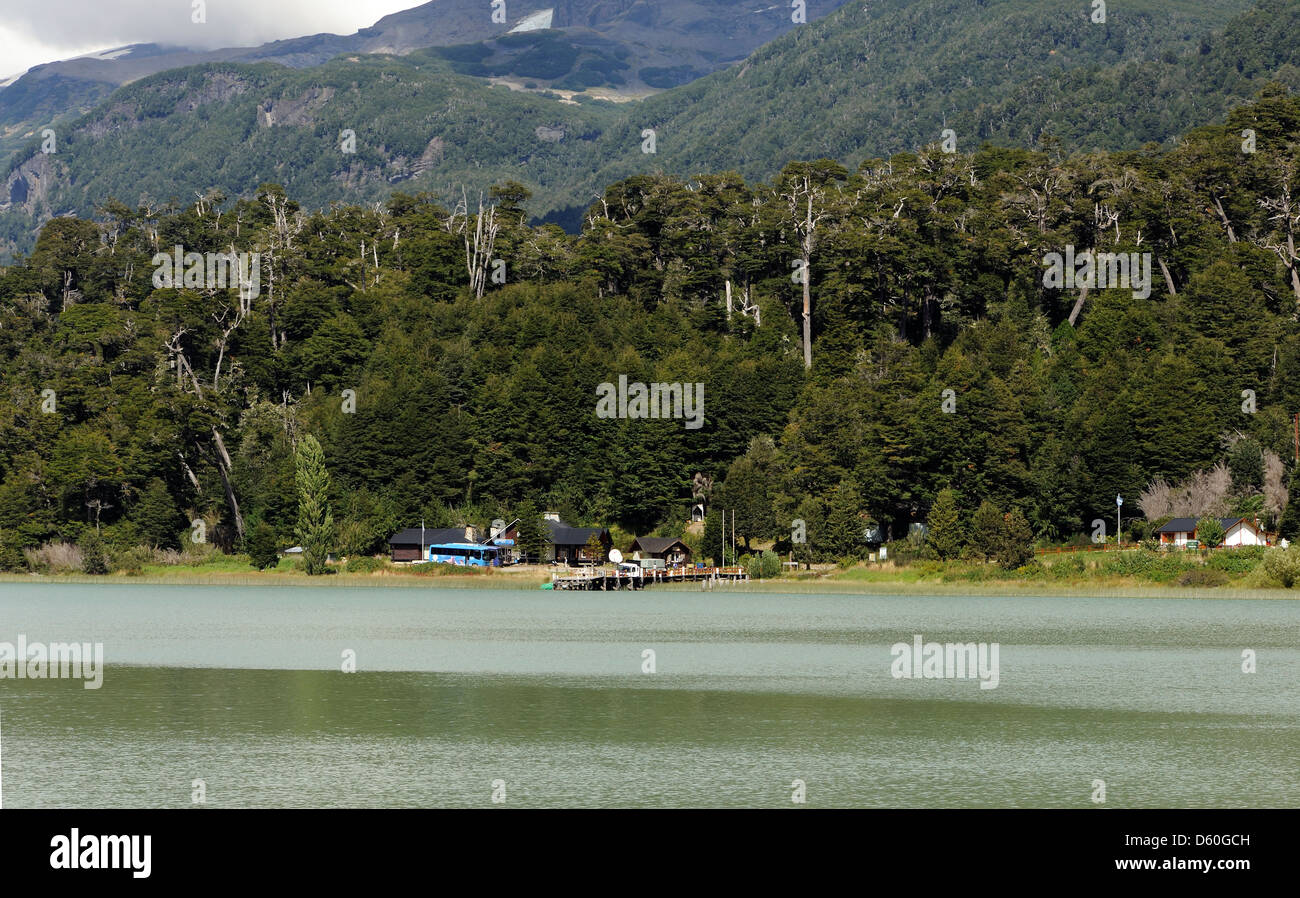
x=432 y=537
x=563 y=534
x=656 y=544
x=1188 y=525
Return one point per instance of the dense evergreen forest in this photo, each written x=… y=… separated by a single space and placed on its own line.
x=449 y=360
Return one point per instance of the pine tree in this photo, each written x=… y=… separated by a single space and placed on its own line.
x=811 y=512
x=315 y=530
x=262 y=550
x=531 y=531
x=157 y=516
x=946 y=537
x=986 y=530
x=845 y=521
x=94 y=554
x=1016 y=545
x=1289 y=527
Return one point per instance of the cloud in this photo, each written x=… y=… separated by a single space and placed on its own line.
x=43 y=31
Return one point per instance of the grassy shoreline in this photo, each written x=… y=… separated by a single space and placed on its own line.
x=861 y=580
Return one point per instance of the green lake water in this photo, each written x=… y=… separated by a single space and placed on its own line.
x=546 y=692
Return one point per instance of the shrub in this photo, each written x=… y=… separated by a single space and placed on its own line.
x=1141 y=530
x=1209 y=532
x=365 y=565
x=132 y=560
x=198 y=554
x=1283 y=565
x=763 y=565
x=54 y=558
x=1015 y=547
x=361 y=537
x=1156 y=566
x=263 y=552
x=94 y=554
x=168 y=557
x=1236 y=561
x=11 y=553
x=1203 y=577
x=439 y=569
x=1068 y=568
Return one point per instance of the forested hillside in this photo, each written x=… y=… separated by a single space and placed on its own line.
x=940 y=358
x=866 y=80
x=891 y=75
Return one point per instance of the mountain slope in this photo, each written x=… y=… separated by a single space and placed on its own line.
x=864 y=81
x=659 y=44
x=231 y=127
x=872 y=80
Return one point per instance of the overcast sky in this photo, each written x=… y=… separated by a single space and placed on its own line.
x=36 y=31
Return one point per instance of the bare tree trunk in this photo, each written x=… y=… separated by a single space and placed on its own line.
x=189 y=473
x=1164 y=269
x=224 y=466
x=807 y=313
x=1078 y=306
x=1232 y=235
x=480 y=247
x=1290 y=261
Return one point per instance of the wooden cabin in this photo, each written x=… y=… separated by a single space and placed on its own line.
x=672 y=551
x=571 y=545
x=407 y=545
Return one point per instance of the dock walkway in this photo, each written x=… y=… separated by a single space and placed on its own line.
x=614 y=578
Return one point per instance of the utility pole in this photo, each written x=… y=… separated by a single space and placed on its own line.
x=1119 y=526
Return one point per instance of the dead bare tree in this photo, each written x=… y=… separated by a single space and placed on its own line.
x=1286 y=212
x=806 y=201
x=480 y=242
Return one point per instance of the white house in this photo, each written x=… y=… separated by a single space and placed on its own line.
x=1245 y=532
x=1237 y=532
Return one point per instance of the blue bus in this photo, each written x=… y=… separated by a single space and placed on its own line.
x=468 y=554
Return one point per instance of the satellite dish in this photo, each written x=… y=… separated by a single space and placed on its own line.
x=616 y=556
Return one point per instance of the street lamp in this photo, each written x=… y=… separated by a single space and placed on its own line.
x=1119 y=527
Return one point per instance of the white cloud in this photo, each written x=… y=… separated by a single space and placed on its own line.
x=36 y=32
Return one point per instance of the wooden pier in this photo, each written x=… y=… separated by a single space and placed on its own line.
x=614 y=578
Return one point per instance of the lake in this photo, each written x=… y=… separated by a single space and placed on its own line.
x=549 y=695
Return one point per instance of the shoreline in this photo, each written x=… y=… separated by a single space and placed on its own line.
x=528 y=581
